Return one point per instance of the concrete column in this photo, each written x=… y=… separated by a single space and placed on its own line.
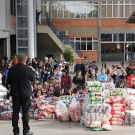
x=8 y=48
x=99 y=30
x=30 y=22
x=38 y=5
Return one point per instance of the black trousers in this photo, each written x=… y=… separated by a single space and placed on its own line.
x=25 y=103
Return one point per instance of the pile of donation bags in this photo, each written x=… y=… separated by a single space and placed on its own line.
x=102 y=106
x=96 y=113
x=69 y=108
x=117 y=102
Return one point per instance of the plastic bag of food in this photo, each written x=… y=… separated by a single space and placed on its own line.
x=106 y=125
x=94 y=84
x=75 y=110
x=62 y=111
x=87 y=123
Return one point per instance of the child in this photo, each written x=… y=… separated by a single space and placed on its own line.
x=83 y=88
x=35 y=86
x=38 y=95
x=80 y=89
x=121 y=83
x=111 y=80
x=70 y=89
x=66 y=91
x=75 y=92
x=57 y=91
x=46 y=85
x=61 y=91
x=51 y=88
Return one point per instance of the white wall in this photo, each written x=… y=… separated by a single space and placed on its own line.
x=2 y=15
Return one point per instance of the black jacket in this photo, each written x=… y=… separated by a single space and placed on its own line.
x=80 y=81
x=20 y=78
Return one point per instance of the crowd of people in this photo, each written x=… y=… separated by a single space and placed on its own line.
x=53 y=78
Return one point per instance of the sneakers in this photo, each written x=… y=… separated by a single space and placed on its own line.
x=28 y=133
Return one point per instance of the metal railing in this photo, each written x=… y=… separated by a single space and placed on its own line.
x=64 y=39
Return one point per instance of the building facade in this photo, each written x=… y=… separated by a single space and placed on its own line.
x=97 y=28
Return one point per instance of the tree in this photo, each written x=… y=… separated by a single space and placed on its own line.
x=68 y=55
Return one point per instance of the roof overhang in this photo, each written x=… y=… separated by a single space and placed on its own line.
x=131 y=19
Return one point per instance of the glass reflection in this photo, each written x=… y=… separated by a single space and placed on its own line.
x=75 y=9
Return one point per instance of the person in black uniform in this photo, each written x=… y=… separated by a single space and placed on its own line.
x=20 y=78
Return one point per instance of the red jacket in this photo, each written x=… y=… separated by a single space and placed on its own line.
x=65 y=81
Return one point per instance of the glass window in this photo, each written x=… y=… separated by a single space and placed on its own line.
x=109 y=2
x=89 y=39
x=83 y=39
x=22 y=33
x=21 y=1
x=121 y=11
x=127 y=2
x=121 y=2
x=60 y=13
x=89 y=45
x=22 y=22
x=132 y=8
x=77 y=45
x=127 y=11
x=106 y=37
x=22 y=10
x=43 y=2
x=23 y=50
x=115 y=2
x=95 y=39
x=89 y=15
x=95 y=12
x=103 y=2
x=95 y=45
x=103 y=10
x=121 y=37
x=83 y=45
x=109 y=10
x=132 y=2
x=115 y=10
x=54 y=12
x=130 y=37
x=22 y=42
x=65 y=12
x=78 y=39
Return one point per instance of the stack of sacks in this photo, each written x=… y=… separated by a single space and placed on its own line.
x=75 y=110
x=130 y=102
x=117 y=101
x=7 y=115
x=3 y=91
x=130 y=99
x=97 y=115
x=62 y=111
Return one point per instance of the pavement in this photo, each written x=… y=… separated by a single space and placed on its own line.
x=55 y=127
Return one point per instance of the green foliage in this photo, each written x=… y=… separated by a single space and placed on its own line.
x=56 y=59
x=68 y=55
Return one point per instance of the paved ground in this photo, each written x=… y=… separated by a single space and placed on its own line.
x=54 y=127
